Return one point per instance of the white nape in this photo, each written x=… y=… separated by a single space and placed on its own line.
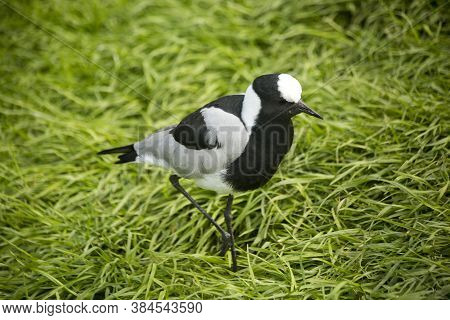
x=289 y=88
x=250 y=107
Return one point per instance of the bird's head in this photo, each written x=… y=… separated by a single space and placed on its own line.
x=281 y=93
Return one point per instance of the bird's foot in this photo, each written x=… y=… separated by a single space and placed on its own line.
x=226 y=243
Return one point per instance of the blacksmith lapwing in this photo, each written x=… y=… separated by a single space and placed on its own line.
x=232 y=144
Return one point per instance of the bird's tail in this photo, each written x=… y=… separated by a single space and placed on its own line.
x=128 y=153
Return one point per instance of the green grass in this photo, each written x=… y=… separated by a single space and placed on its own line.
x=358 y=210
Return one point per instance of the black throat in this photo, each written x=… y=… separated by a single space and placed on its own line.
x=270 y=139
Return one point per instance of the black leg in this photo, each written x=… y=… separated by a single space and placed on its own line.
x=228 y=219
x=226 y=237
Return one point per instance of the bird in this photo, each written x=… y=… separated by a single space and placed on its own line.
x=230 y=145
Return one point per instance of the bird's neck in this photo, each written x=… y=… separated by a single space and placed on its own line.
x=254 y=115
x=251 y=107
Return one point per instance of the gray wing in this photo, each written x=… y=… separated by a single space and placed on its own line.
x=161 y=148
x=193 y=133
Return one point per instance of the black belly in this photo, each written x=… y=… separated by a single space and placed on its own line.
x=262 y=156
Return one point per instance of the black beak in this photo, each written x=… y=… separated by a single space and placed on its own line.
x=301 y=107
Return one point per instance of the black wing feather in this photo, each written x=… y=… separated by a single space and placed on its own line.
x=128 y=153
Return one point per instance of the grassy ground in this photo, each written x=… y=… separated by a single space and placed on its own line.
x=359 y=209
